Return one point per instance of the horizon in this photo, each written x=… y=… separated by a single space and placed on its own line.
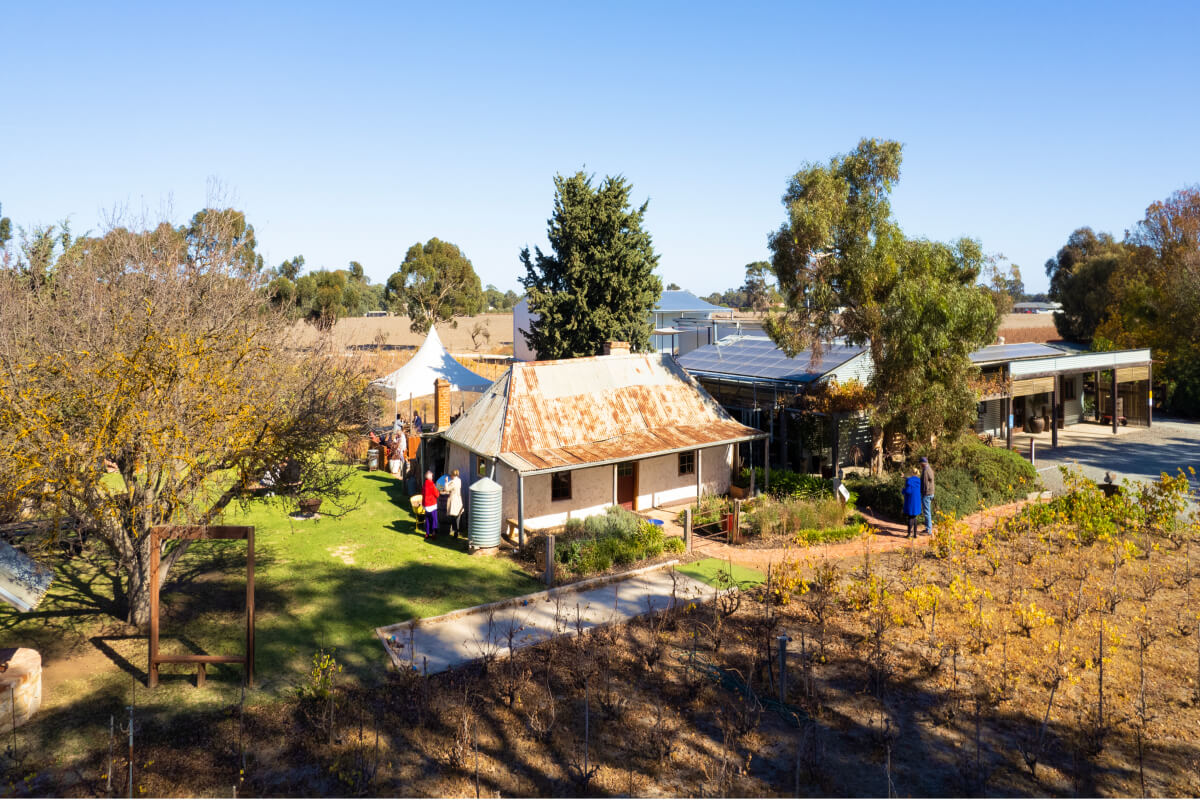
x=350 y=136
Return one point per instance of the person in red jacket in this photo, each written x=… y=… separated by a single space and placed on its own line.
x=430 y=499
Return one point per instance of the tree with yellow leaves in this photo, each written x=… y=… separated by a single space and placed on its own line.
x=153 y=350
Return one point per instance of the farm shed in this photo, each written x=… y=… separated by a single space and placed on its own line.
x=569 y=438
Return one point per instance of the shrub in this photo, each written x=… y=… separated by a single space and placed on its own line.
x=353 y=449
x=956 y=492
x=769 y=515
x=810 y=536
x=617 y=536
x=786 y=483
x=1001 y=476
x=969 y=475
x=710 y=509
x=879 y=495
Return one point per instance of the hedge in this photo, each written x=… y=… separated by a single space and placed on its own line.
x=969 y=475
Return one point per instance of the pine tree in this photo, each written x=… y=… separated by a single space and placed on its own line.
x=598 y=283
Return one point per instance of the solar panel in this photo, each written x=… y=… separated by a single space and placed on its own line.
x=759 y=357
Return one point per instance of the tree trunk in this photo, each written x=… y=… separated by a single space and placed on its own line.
x=137 y=566
x=876 y=450
x=138 y=569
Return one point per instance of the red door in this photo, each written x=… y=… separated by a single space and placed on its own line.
x=626 y=484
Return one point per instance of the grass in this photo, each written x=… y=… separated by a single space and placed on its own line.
x=711 y=570
x=324 y=583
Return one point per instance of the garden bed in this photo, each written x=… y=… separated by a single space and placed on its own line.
x=604 y=543
x=797 y=510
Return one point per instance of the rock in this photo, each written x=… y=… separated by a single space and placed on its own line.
x=20 y=684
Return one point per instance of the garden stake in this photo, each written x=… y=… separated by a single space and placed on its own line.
x=112 y=731
x=131 y=751
x=781 y=647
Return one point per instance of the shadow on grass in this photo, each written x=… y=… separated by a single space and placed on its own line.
x=319 y=606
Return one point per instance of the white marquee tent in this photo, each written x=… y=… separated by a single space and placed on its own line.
x=432 y=361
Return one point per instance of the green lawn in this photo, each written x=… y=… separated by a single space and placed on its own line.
x=708 y=570
x=319 y=583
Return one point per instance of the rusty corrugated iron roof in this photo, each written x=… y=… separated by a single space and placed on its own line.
x=558 y=414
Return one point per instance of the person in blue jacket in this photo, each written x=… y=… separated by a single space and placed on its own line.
x=912 y=501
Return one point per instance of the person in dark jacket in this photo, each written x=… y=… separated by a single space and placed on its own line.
x=912 y=501
x=927 y=493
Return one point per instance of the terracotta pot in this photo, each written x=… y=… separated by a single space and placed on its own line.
x=310 y=505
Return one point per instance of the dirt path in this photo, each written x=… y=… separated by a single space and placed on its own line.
x=886 y=535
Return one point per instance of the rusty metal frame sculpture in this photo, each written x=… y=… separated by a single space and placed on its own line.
x=157 y=536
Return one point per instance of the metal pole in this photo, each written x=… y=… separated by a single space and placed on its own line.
x=249 y=671
x=1055 y=394
x=155 y=555
x=520 y=511
x=549 y=560
x=766 y=470
x=1008 y=410
x=1114 y=399
x=1032 y=451
x=687 y=530
x=1149 y=394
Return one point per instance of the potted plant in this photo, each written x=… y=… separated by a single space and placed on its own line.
x=309 y=505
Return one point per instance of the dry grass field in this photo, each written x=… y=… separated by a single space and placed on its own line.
x=393 y=333
x=1028 y=328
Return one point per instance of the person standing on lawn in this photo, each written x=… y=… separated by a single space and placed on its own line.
x=927 y=493
x=430 y=499
x=454 y=503
x=912 y=501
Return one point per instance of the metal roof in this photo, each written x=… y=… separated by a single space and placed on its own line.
x=679 y=300
x=1014 y=352
x=545 y=415
x=759 y=357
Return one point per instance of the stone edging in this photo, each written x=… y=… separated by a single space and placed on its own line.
x=587 y=583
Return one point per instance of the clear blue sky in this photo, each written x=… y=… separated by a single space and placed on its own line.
x=351 y=131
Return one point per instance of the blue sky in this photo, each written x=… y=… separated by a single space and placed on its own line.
x=351 y=131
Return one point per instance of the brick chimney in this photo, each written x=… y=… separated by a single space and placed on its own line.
x=616 y=348
x=441 y=403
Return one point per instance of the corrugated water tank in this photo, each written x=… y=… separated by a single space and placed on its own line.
x=483 y=520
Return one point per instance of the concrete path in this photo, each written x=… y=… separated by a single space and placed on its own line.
x=1137 y=453
x=439 y=643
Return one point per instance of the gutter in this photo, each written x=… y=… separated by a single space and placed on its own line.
x=609 y=461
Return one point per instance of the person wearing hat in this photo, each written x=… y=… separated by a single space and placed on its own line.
x=927 y=493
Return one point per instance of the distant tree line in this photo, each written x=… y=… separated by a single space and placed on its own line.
x=757 y=293
x=435 y=283
x=1139 y=291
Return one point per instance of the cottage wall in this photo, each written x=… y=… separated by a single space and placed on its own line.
x=659 y=483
